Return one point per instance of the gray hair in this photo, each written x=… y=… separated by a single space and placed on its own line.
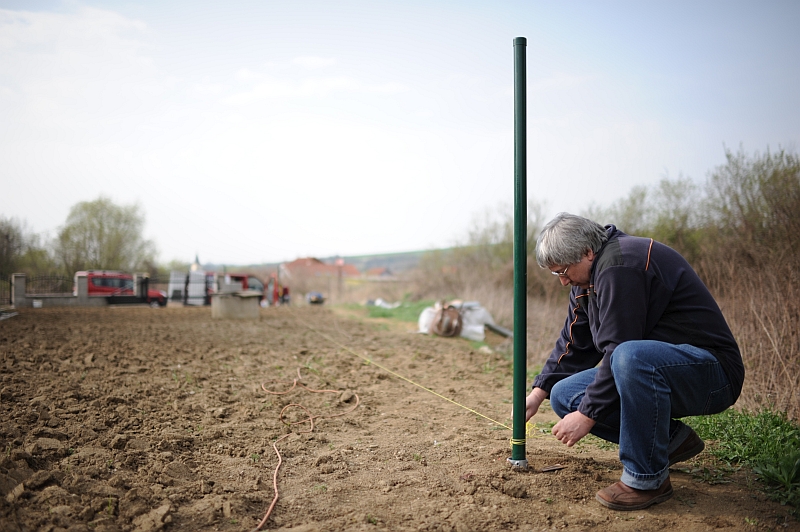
x=565 y=239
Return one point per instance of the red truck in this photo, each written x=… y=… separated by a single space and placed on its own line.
x=249 y=282
x=118 y=288
x=272 y=293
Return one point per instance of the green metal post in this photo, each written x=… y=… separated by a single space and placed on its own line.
x=517 y=459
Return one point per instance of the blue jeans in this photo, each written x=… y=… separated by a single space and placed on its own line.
x=657 y=383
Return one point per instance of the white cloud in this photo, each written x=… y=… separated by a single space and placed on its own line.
x=206 y=88
x=70 y=65
x=245 y=74
x=325 y=86
x=263 y=91
x=309 y=87
x=314 y=62
x=85 y=32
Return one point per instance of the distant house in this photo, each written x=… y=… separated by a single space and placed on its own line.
x=378 y=273
x=310 y=267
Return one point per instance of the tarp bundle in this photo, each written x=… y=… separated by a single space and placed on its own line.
x=473 y=318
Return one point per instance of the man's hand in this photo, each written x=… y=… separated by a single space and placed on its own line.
x=532 y=403
x=572 y=428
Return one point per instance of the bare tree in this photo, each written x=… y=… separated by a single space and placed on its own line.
x=11 y=245
x=20 y=249
x=755 y=203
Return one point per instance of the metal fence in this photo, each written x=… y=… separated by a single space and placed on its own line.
x=5 y=290
x=42 y=285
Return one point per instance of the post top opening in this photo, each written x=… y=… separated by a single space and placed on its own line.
x=520 y=41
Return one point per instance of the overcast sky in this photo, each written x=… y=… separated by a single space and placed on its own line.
x=261 y=131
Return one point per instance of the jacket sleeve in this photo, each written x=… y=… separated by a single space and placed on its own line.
x=574 y=350
x=621 y=300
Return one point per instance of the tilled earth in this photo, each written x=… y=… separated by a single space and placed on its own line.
x=142 y=419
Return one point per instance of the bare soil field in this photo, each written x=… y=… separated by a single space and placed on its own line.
x=139 y=419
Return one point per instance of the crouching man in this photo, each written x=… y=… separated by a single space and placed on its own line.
x=664 y=350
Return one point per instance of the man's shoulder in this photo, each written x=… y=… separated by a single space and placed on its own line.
x=626 y=254
x=624 y=250
x=610 y=255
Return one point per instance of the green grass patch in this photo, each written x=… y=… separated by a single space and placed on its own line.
x=530 y=373
x=748 y=438
x=591 y=439
x=533 y=372
x=766 y=441
x=408 y=311
x=540 y=427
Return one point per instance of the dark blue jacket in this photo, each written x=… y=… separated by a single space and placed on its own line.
x=639 y=289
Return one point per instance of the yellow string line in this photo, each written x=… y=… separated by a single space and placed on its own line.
x=404 y=378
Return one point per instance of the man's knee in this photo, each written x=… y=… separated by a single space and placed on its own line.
x=626 y=356
x=559 y=400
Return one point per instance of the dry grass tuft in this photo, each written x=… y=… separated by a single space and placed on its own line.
x=764 y=313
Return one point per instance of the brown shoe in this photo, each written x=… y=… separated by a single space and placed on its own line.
x=620 y=496
x=690 y=447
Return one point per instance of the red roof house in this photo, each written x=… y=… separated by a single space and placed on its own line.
x=311 y=267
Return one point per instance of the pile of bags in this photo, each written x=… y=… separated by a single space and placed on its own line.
x=457 y=318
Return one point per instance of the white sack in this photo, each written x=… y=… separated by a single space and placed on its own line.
x=473 y=317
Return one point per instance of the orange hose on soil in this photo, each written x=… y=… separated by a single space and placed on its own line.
x=310 y=419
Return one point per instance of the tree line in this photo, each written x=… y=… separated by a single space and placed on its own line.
x=744 y=219
x=97 y=235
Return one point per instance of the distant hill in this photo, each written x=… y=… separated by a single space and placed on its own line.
x=395 y=262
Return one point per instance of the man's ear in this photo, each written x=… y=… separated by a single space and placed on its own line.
x=590 y=255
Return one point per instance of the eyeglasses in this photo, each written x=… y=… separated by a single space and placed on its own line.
x=561 y=274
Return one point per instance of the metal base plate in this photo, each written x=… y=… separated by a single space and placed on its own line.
x=520 y=465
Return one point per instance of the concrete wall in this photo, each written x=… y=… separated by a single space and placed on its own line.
x=242 y=306
x=20 y=299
